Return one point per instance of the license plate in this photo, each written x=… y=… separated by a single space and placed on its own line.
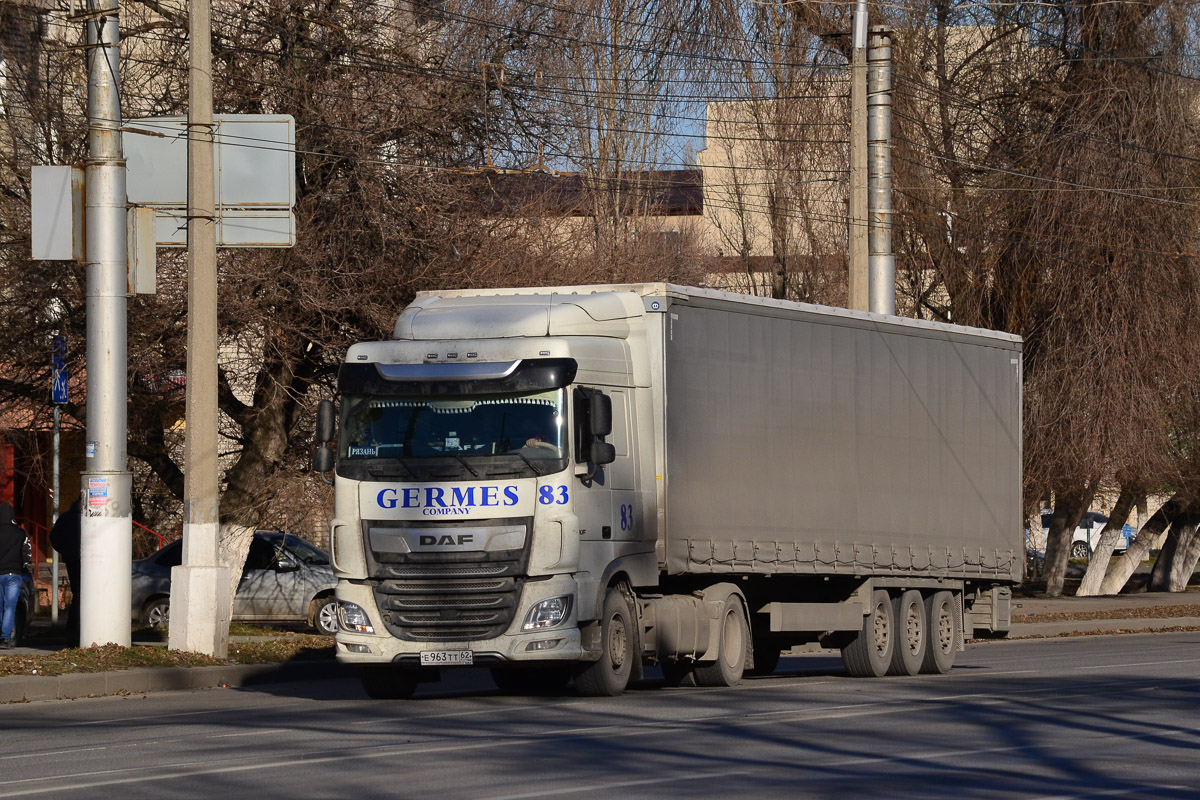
x=437 y=658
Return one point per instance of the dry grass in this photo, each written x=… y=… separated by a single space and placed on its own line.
x=111 y=657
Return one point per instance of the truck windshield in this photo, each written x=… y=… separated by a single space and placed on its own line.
x=530 y=426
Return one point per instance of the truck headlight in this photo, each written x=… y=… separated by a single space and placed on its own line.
x=354 y=619
x=548 y=613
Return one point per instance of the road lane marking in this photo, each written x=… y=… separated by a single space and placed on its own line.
x=599 y=787
x=473 y=713
x=1116 y=792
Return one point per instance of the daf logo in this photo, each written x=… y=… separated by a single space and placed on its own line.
x=429 y=540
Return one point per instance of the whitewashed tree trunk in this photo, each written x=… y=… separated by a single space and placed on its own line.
x=1139 y=548
x=234 y=547
x=1186 y=555
x=1097 y=567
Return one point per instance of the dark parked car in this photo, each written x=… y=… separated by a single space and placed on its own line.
x=286 y=579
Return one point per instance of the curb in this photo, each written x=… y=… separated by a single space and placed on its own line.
x=1033 y=630
x=27 y=688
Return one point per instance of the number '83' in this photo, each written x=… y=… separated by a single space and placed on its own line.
x=548 y=496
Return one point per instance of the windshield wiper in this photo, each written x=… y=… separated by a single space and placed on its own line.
x=527 y=461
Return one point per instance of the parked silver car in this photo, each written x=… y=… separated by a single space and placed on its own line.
x=286 y=579
x=1087 y=534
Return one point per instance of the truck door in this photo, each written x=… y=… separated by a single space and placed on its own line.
x=607 y=504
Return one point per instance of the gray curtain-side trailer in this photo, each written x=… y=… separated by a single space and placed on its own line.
x=815 y=454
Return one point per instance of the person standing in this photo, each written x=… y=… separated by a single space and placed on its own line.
x=64 y=537
x=16 y=553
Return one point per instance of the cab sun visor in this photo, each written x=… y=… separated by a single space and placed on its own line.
x=486 y=377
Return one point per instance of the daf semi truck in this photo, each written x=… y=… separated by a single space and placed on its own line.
x=573 y=483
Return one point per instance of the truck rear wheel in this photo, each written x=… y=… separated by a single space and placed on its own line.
x=911 y=634
x=945 y=634
x=731 y=651
x=608 y=676
x=870 y=653
x=385 y=682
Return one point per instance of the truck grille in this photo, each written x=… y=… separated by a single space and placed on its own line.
x=446 y=596
x=448 y=610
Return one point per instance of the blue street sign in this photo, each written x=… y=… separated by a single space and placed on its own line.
x=58 y=392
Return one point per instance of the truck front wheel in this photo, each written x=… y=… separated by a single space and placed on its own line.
x=870 y=653
x=608 y=676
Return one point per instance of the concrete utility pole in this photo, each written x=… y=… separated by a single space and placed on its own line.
x=879 y=180
x=106 y=531
x=199 y=587
x=858 y=247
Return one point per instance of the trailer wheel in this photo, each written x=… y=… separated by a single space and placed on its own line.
x=911 y=634
x=945 y=634
x=870 y=653
x=385 y=682
x=731 y=651
x=609 y=676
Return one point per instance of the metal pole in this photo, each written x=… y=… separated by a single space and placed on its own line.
x=879 y=179
x=199 y=588
x=54 y=517
x=106 y=531
x=858 y=247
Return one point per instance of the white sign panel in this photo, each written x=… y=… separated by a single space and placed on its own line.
x=254 y=167
x=254 y=162
x=57 y=195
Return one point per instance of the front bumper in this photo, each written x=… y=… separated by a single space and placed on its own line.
x=561 y=643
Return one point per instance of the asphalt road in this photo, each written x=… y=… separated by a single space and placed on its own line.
x=1099 y=716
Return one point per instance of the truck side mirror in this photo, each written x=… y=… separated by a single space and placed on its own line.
x=600 y=416
x=322 y=459
x=326 y=424
x=602 y=453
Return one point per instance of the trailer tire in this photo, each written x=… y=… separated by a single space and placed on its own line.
x=609 y=675
x=385 y=682
x=945 y=633
x=912 y=634
x=870 y=653
x=731 y=649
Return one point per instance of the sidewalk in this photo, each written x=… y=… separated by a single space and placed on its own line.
x=1032 y=617
x=23 y=688
x=1146 y=612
